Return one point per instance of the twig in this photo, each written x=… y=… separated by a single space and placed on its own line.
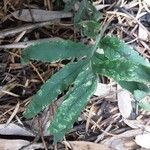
x=128 y=15
x=36 y=70
x=13 y=31
x=101 y=136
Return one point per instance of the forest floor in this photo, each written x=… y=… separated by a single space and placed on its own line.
x=101 y=125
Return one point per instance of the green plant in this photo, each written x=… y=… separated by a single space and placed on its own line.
x=86 y=10
x=80 y=76
x=119 y=62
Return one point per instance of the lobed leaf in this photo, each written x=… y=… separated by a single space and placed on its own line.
x=53 y=51
x=70 y=109
x=122 y=69
x=114 y=49
x=53 y=87
x=139 y=90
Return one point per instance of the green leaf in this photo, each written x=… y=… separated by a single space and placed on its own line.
x=70 y=109
x=90 y=28
x=140 y=94
x=139 y=90
x=123 y=70
x=114 y=49
x=80 y=13
x=97 y=58
x=53 y=87
x=86 y=11
x=70 y=4
x=132 y=86
x=53 y=51
x=145 y=105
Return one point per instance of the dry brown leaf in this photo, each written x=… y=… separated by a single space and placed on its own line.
x=123 y=144
x=137 y=124
x=39 y=15
x=125 y=103
x=82 y=145
x=14 y=129
x=123 y=141
x=102 y=89
x=148 y=2
x=143 y=140
x=12 y=144
x=142 y=34
x=99 y=7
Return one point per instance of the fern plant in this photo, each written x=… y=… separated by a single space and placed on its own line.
x=119 y=61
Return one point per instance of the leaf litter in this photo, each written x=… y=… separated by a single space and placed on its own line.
x=105 y=120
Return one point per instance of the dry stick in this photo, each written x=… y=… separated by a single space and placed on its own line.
x=135 y=19
x=101 y=136
x=41 y=133
x=36 y=70
x=28 y=43
x=13 y=31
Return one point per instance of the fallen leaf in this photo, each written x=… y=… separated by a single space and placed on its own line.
x=134 y=124
x=12 y=144
x=143 y=140
x=14 y=129
x=102 y=89
x=82 y=145
x=39 y=15
x=125 y=103
x=123 y=141
x=100 y=7
x=147 y=1
x=142 y=34
x=123 y=144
